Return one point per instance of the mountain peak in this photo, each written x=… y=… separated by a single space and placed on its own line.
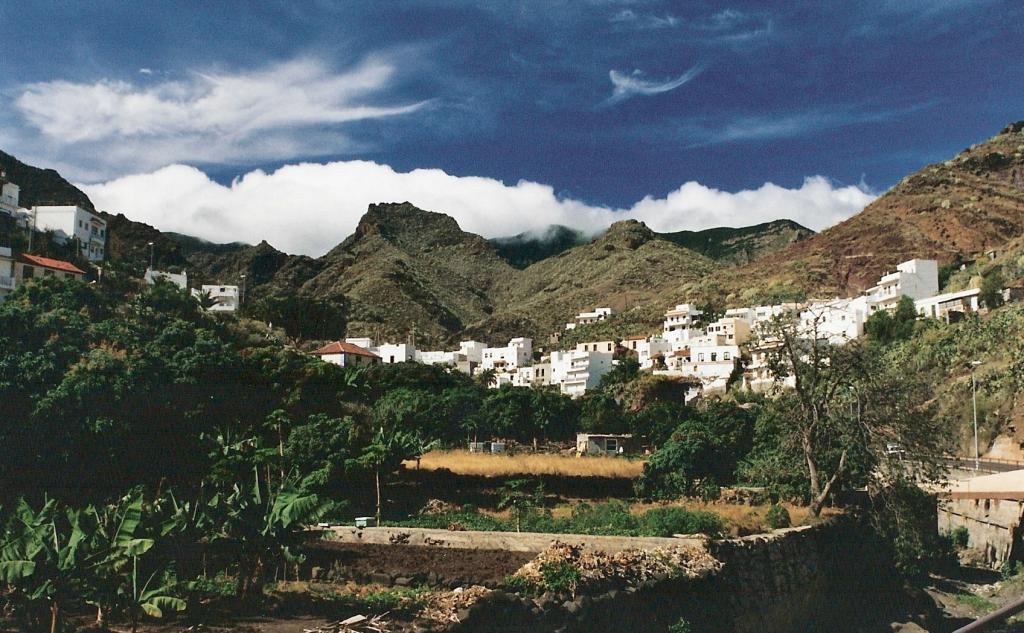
x=628 y=233
x=406 y=225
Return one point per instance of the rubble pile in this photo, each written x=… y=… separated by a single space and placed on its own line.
x=599 y=571
x=447 y=606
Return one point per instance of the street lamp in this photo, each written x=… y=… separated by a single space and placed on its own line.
x=241 y=299
x=152 y=255
x=974 y=401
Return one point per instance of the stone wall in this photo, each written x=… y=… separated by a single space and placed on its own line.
x=821 y=578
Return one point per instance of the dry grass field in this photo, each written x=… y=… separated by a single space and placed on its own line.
x=466 y=463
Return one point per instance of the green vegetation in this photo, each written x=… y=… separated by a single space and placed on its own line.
x=976 y=602
x=778 y=517
x=611 y=518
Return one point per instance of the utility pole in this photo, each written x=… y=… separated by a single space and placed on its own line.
x=152 y=255
x=241 y=299
x=974 y=401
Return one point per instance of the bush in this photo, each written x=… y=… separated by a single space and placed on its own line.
x=519 y=585
x=778 y=517
x=681 y=626
x=668 y=521
x=560 y=577
x=960 y=537
x=612 y=517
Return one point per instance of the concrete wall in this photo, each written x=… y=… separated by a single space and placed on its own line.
x=993 y=526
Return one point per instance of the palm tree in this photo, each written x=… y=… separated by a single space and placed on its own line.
x=487 y=377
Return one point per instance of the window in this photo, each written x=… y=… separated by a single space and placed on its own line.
x=611 y=445
x=28 y=272
x=726 y=356
x=714 y=356
x=47 y=273
x=700 y=358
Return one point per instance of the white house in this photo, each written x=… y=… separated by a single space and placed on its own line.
x=946 y=305
x=839 y=321
x=396 y=352
x=73 y=222
x=226 y=297
x=9 y=194
x=6 y=272
x=584 y=318
x=683 y=316
x=536 y=375
x=915 y=278
x=346 y=354
x=178 y=279
x=518 y=353
x=576 y=371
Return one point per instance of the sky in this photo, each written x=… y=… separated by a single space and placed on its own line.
x=244 y=121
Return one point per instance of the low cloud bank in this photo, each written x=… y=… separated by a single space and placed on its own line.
x=308 y=208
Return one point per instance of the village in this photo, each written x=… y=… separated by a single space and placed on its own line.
x=710 y=356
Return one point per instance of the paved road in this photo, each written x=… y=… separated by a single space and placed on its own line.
x=986 y=465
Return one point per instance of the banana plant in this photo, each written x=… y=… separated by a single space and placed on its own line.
x=154 y=598
x=41 y=558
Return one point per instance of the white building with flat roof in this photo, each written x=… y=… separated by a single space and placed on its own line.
x=950 y=305
x=518 y=353
x=178 y=279
x=915 y=278
x=74 y=222
x=7 y=283
x=575 y=371
x=839 y=321
x=226 y=297
x=585 y=318
x=9 y=194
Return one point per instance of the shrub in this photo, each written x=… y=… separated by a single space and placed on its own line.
x=519 y=585
x=668 y=521
x=778 y=517
x=1009 y=570
x=560 y=577
x=612 y=517
x=960 y=537
x=682 y=625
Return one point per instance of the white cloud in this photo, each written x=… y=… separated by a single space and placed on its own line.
x=633 y=84
x=643 y=21
x=116 y=126
x=309 y=208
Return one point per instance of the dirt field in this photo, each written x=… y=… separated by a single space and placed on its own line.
x=466 y=463
x=445 y=566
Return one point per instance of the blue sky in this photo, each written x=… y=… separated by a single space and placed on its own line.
x=603 y=104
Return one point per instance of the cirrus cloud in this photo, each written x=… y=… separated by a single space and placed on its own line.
x=310 y=207
x=208 y=117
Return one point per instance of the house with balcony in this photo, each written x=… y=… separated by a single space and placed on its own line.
x=225 y=297
x=74 y=223
x=915 y=278
x=575 y=371
x=346 y=354
x=838 y=321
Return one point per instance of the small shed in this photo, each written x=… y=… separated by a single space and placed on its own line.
x=605 y=444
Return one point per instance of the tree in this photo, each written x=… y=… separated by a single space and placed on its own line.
x=389 y=448
x=702 y=453
x=991 y=294
x=886 y=328
x=845 y=405
x=516 y=496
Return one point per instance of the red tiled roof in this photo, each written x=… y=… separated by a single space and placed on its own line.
x=636 y=338
x=682 y=352
x=341 y=347
x=55 y=264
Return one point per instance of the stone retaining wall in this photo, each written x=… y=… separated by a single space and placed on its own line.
x=509 y=541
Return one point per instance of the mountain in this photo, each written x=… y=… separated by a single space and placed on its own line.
x=741 y=245
x=628 y=266
x=407 y=271
x=531 y=247
x=949 y=211
x=42 y=186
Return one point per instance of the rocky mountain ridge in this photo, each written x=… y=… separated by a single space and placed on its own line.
x=406 y=272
